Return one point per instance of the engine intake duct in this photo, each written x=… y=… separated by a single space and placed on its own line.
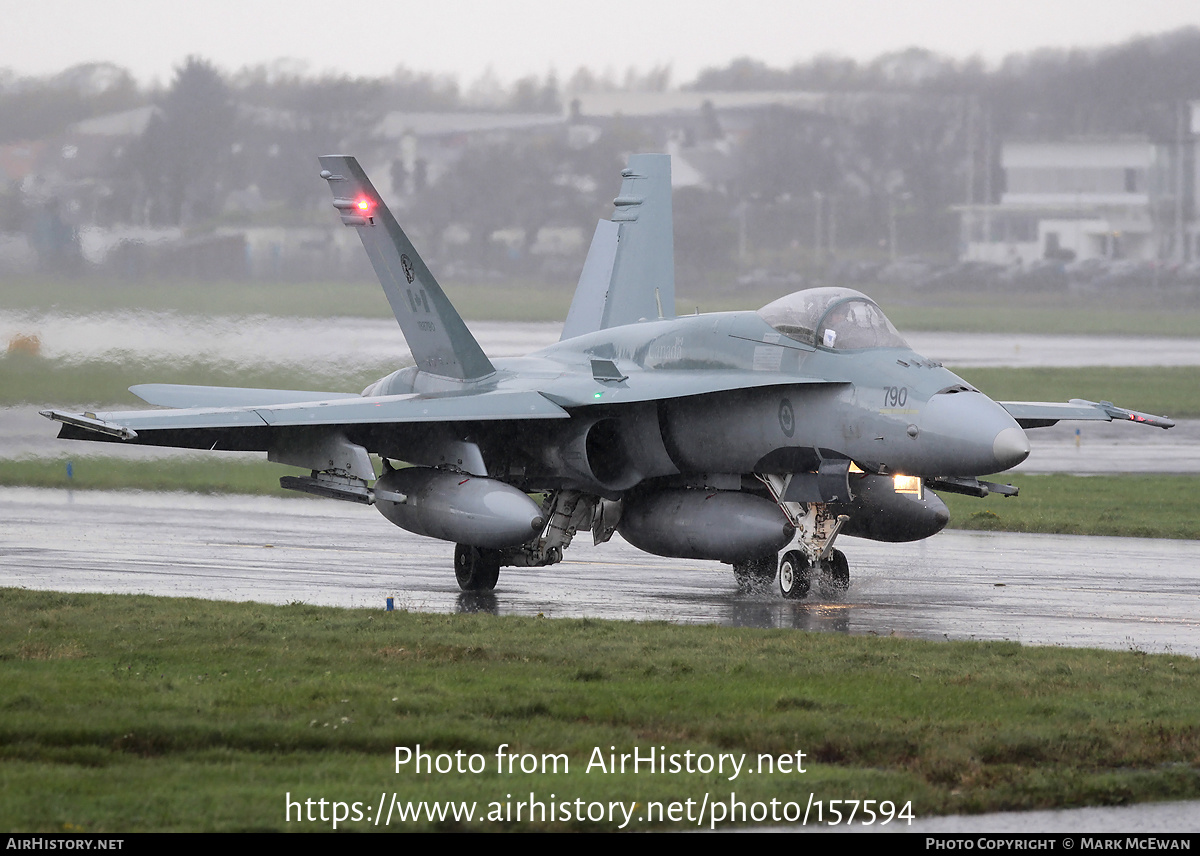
x=610 y=454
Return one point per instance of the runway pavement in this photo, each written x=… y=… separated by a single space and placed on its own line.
x=131 y=336
x=1120 y=593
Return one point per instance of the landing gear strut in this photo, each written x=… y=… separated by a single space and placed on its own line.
x=476 y=568
x=816 y=529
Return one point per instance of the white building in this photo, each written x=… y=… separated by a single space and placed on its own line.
x=1078 y=199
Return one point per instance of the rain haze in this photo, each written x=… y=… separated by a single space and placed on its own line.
x=524 y=37
x=1014 y=182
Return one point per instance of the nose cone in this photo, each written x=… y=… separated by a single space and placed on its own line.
x=968 y=434
x=1010 y=447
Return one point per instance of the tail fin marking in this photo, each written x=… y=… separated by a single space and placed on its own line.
x=440 y=342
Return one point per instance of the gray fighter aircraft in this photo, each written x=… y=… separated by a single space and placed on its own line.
x=751 y=438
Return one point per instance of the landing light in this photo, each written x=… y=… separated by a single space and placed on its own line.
x=908 y=484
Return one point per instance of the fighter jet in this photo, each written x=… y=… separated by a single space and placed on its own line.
x=751 y=438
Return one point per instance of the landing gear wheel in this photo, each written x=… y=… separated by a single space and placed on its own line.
x=476 y=568
x=755 y=574
x=837 y=571
x=795 y=575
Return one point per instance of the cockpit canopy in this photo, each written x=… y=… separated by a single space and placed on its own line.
x=836 y=318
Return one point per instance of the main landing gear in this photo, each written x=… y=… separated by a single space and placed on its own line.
x=476 y=568
x=755 y=574
x=567 y=511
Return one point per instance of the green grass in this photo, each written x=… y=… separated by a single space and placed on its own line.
x=1135 y=314
x=504 y=301
x=1140 y=506
x=131 y=713
x=1165 y=391
x=532 y=300
x=40 y=382
x=203 y=472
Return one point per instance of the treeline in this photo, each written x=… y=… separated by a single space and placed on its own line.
x=1049 y=91
x=869 y=170
x=33 y=108
x=1052 y=92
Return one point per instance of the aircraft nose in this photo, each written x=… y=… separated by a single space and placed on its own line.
x=1010 y=447
x=967 y=433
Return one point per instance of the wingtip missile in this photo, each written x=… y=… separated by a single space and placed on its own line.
x=89 y=422
x=1120 y=413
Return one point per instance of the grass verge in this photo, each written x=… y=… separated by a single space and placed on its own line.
x=38 y=381
x=1162 y=390
x=203 y=473
x=1137 y=506
x=130 y=713
x=503 y=301
x=507 y=300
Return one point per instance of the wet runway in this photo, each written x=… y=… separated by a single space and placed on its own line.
x=348 y=342
x=1112 y=447
x=1115 y=593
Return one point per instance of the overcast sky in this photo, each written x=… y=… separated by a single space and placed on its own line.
x=519 y=37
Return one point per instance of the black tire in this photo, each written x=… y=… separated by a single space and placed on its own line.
x=755 y=574
x=476 y=569
x=795 y=575
x=838 y=572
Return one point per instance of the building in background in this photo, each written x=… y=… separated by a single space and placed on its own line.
x=1080 y=199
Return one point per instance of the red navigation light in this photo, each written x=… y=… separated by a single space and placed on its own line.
x=364 y=205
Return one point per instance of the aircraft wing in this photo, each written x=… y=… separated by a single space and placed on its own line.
x=186 y=395
x=333 y=412
x=1042 y=414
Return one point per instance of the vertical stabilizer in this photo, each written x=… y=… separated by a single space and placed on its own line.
x=629 y=273
x=440 y=342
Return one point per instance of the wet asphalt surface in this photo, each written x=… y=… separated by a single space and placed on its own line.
x=132 y=336
x=1121 y=593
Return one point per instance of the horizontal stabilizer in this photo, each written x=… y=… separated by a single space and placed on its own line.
x=184 y=395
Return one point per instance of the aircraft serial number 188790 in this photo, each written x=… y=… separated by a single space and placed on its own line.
x=751 y=438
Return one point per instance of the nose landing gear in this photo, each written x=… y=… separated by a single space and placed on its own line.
x=812 y=551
